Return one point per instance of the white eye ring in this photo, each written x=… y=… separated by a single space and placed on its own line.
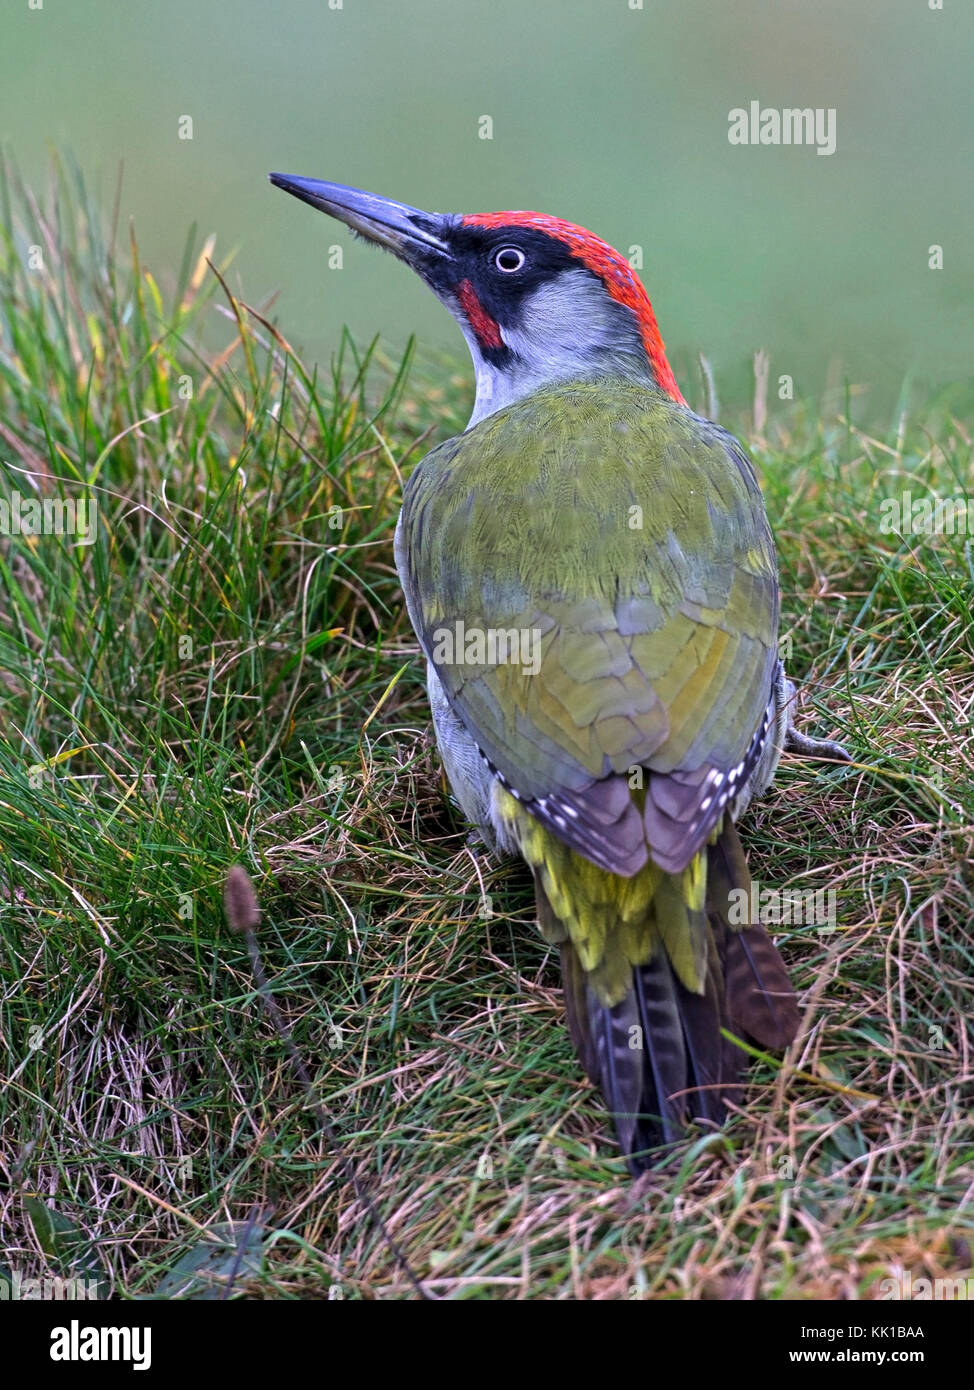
x=506 y=252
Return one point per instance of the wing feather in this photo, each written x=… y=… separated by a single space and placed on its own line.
x=646 y=600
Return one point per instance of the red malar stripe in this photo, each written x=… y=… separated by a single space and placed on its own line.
x=486 y=329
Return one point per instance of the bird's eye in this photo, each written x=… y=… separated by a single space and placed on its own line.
x=508 y=259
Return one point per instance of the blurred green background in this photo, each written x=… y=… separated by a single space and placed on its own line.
x=610 y=116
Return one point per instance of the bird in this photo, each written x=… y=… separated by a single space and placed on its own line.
x=590 y=572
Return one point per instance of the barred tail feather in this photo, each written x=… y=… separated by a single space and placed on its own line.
x=658 y=1054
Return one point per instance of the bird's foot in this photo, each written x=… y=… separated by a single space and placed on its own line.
x=815 y=747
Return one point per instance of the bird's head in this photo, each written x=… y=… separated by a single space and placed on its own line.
x=538 y=299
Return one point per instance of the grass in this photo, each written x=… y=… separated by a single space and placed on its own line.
x=226 y=675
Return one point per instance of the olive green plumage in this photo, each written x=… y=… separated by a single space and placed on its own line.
x=630 y=536
x=627 y=537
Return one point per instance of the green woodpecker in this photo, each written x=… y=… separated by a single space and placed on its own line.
x=591 y=576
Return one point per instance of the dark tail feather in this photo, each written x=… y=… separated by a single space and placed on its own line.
x=658 y=1056
x=760 y=1002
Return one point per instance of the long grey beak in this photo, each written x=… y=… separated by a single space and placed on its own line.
x=406 y=231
